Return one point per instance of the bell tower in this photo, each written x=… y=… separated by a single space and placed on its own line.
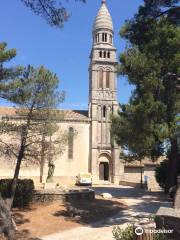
x=104 y=155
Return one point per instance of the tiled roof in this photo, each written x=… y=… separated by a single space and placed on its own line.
x=7 y=111
x=147 y=162
x=75 y=115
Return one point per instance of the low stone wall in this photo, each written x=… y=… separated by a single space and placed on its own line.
x=70 y=195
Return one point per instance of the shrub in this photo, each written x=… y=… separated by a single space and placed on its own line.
x=126 y=234
x=24 y=191
x=161 y=172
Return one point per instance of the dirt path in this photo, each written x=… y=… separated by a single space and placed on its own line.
x=140 y=205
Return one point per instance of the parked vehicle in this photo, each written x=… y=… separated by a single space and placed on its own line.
x=84 y=179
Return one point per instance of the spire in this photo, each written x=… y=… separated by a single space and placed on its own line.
x=103 y=19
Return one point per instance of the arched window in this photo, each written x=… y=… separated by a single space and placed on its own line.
x=108 y=79
x=70 y=143
x=104 y=111
x=101 y=78
x=104 y=37
x=110 y=38
x=100 y=54
x=109 y=55
x=97 y=38
x=104 y=54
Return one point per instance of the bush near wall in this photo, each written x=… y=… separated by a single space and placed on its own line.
x=161 y=173
x=24 y=191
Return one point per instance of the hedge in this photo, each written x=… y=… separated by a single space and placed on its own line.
x=24 y=191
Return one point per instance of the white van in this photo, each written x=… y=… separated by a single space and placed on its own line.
x=84 y=179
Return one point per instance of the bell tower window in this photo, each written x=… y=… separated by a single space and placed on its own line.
x=100 y=54
x=104 y=111
x=110 y=38
x=101 y=78
x=109 y=55
x=104 y=37
x=108 y=79
x=97 y=38
x=104 y=54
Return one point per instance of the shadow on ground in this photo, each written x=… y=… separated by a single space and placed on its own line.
x=103 y=213
x=86 y=212
x=20 y=220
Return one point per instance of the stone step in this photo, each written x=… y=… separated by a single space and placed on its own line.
x=101 y=182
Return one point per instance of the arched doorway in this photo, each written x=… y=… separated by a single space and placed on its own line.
x=104 y=171
x=104 y=167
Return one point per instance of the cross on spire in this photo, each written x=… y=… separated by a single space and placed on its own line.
x=103 y=1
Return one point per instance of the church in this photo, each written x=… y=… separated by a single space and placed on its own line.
x=91 y=149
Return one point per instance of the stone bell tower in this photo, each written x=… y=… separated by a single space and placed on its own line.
x=104 y=154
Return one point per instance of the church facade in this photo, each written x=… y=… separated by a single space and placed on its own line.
x=91 y=149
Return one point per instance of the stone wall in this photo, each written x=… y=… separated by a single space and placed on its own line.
x=71 y=195
x=66 y=169
x=132 y=176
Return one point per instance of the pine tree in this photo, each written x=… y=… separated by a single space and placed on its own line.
x=35 y=94
x=52 y=11
x=151 y=62
x=7 y=74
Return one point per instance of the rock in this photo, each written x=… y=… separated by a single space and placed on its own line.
x=106 y=195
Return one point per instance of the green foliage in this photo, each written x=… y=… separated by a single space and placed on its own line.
x=6 y=74
x=24 y=191
x=35 y=93
x=52 y=11
x=151 y=63
x=126 y=234
x=161 y=173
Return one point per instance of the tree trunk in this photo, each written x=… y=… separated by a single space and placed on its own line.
x=6 y=224
x=42 y=158
x=171 y=178
x=16 y=175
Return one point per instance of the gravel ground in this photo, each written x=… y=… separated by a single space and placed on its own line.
x=140 y=205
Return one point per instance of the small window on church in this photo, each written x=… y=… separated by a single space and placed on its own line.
x=104 y=54
x=110 y=38
x=108 y=79
x=101 y=78
x=70 y=143
x=97 y=38
x=104 y=37
x=100 y=54
x=104 y=111
x=109 y=55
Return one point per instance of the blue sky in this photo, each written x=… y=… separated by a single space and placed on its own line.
x=63 y=51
